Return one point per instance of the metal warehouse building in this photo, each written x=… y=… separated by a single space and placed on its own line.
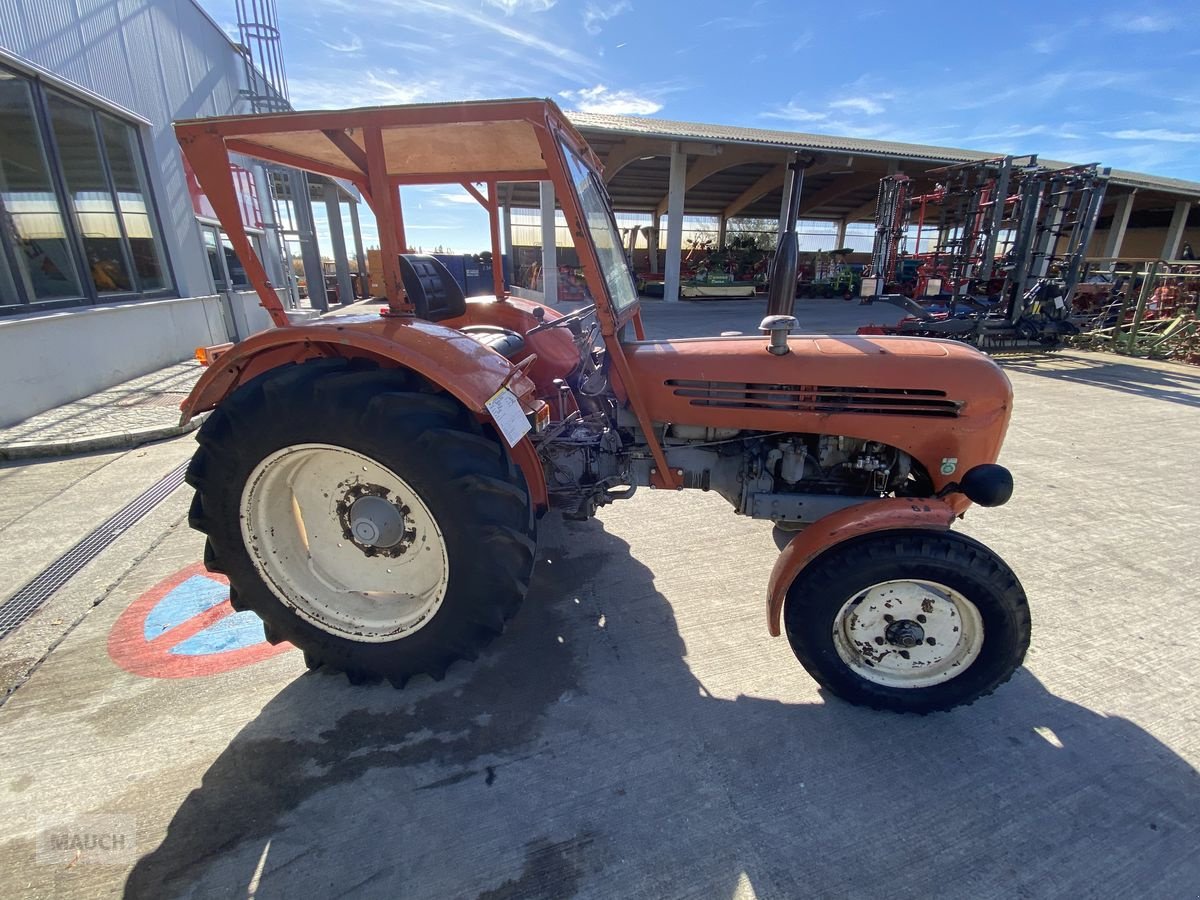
x=111 y=263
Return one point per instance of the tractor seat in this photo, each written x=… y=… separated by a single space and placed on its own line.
x=435 y=295
x=431 y=288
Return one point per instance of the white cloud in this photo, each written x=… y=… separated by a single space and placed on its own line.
x=731 y=23
x=1061 y=132
x=372 y=88
x=478 y=19
x=793 y=113
x=1143 y=24
x=804 y=37
x=600 y=99
x=1156 y=134
x=351 y=45
x=453 y=197
x=595 y=15
x=512 y=6
x=865 y=105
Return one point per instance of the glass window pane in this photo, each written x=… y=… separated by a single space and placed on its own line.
x=133 y=200
x=213 y=249
x=79 y=153
x=237 y=272
x=614 y=267
x=30 y=216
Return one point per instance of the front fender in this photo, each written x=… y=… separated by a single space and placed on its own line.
x=853 y=521
x=461 y=366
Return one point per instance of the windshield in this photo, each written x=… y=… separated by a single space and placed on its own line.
x=603 y=229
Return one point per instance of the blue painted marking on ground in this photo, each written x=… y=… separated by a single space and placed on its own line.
x=184 y=602
x=234 y=632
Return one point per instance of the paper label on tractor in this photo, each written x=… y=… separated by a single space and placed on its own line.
x=509 y=417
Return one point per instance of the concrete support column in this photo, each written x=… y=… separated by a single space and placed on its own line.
x=722 y=224
x=1120 y=222
x=506 y=228
x=1175 y=230
x=675 y=223
x=337 y=237
x=310 y=253
x=549 y=244
x=360 y=254
x=506 y=231
x=840 y=240
x=652 y=247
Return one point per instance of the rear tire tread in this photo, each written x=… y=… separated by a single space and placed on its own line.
x=377 y=412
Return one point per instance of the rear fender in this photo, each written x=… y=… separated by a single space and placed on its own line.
x=853 y=521
x=459 y=365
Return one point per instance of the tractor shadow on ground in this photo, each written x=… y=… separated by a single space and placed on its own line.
x=583 y=756
x=1177 y=385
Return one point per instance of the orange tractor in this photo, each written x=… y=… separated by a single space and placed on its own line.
x=372 y=485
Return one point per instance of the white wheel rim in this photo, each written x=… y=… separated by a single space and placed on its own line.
x=908 y=634
x=345 y=542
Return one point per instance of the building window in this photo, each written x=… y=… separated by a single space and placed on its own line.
x=228 y=273
x=78 y=222
x=133 y=201
x=34 y=228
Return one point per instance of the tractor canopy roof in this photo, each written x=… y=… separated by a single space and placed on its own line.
x=487 y=140
x=378 y=149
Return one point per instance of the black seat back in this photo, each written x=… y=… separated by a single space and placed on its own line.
x=431 y=288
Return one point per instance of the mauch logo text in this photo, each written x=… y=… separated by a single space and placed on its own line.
x=99 y=839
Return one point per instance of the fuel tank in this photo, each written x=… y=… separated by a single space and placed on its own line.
x=554 y=348
x=943 y=402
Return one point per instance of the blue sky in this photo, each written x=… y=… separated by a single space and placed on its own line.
x=1106 y=82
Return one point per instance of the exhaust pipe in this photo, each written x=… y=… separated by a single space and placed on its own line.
x=781 y=299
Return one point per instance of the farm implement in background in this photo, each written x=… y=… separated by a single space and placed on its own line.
x=1008 y=239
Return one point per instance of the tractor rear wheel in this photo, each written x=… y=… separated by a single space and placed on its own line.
x=368 y=521
x=908 y=621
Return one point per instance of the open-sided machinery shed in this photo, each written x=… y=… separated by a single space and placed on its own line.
x=674 y=169
x=669 y=168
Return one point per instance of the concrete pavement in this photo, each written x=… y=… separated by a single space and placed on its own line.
x=636 y=733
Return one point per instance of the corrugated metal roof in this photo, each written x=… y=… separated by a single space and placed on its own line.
x=666 y=129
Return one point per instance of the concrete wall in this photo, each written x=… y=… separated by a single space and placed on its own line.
x=1142 y=242
x=49 y=359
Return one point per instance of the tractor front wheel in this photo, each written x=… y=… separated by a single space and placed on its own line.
x=908 y=621
x=364 y=518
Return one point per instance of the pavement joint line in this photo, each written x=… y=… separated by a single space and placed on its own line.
x=70 y=629
x=33 y=595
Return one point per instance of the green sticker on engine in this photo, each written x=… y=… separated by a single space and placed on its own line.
x=949 y=465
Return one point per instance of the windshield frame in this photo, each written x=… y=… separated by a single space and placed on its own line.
x=584 y=237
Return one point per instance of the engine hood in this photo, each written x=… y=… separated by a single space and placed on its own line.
x=941 y=401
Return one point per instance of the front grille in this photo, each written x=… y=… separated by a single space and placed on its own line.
x=817 y=398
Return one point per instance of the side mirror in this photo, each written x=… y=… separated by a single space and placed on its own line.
x=987 y=485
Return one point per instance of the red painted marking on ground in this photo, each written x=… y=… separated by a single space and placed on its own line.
x=129 y=648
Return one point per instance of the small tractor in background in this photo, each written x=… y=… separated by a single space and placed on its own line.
x=372 y=485
x=1010 y=237
x=830 y=275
